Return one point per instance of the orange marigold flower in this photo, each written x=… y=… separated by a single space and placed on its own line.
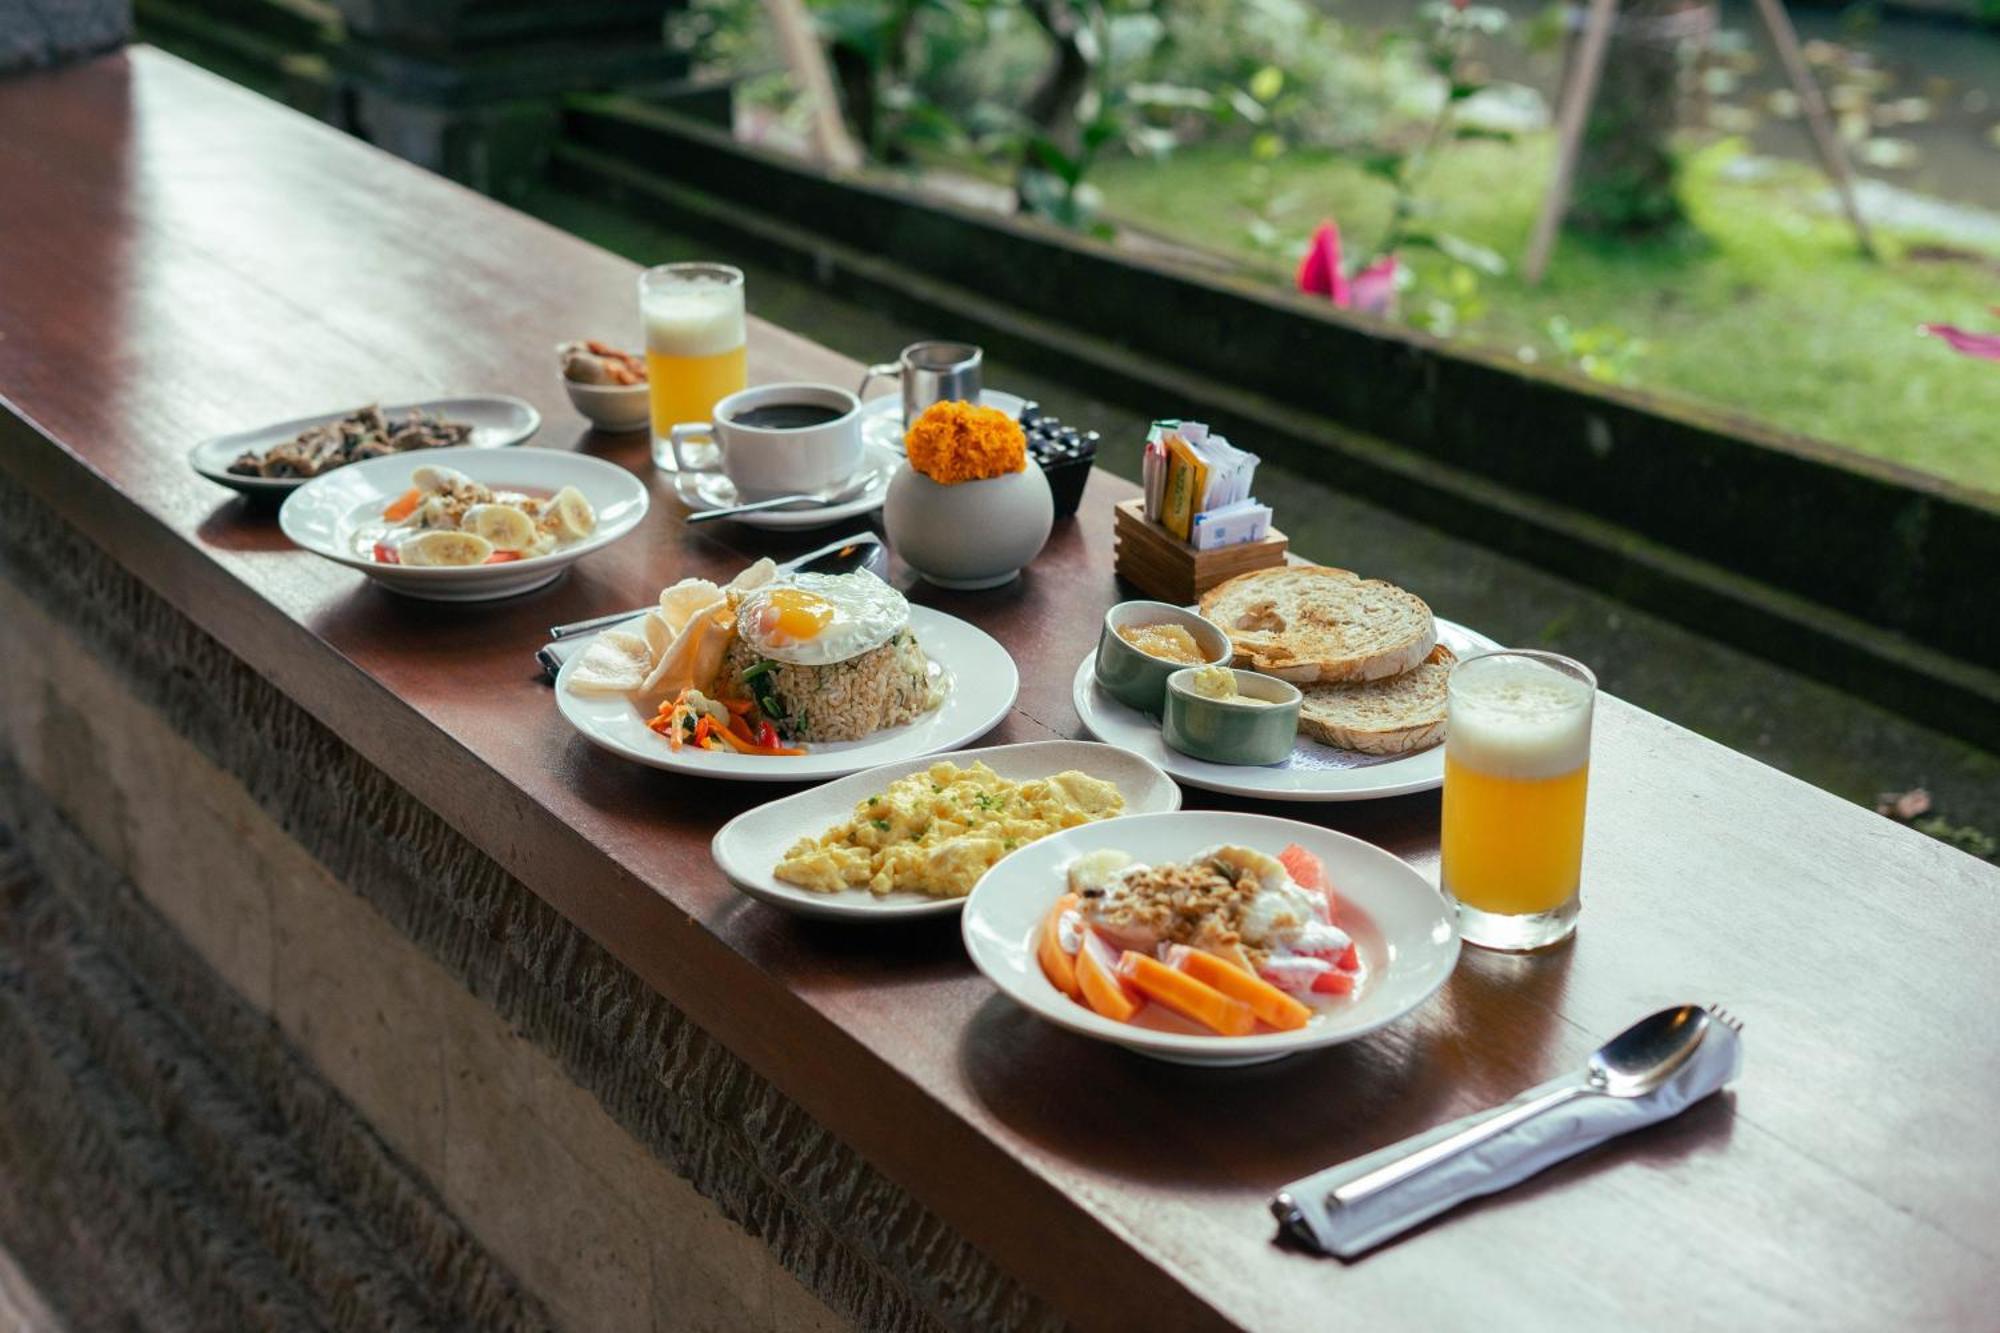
x=954 y=442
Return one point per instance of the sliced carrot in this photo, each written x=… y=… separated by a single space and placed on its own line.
x=1186 y=996
x=1266 y=1001
x=1102 y=988
x=403 y=505
x=1057 y=966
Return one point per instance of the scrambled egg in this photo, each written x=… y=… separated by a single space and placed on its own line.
x=938 y=831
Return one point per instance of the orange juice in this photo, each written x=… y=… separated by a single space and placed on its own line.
x=1517 y=769
x=694 y=344
x=687 y=388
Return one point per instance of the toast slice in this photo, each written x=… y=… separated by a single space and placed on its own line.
x=1391 y=716
x=1312 y=624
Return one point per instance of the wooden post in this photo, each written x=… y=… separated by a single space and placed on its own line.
x=833 y=147
x=1831 y=155
x=1579 y=91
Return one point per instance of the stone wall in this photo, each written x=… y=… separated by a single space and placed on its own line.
x=265 y=990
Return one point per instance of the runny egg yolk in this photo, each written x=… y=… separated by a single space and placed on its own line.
x=793 y=615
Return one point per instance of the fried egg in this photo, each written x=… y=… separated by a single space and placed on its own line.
x=820 y=619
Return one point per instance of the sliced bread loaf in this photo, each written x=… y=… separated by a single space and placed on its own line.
x=1310 y=624
x=1392 y=716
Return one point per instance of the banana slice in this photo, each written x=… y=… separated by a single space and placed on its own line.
x=437 y=479
x=508 y=528
x=439 y=547
x=571 y=515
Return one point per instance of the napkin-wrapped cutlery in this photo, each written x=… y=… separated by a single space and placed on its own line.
x=1652 y=1071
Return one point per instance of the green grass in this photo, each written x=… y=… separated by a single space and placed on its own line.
x=1760 y=307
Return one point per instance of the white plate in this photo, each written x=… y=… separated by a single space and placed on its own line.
x=983 y=683
x=1315 y=772
x=497 y=420
x=712 y=490
x=323 y=515
x=748 y=847
x=882 y=415
x=1402 y=928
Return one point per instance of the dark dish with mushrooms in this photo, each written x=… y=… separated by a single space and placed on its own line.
x=367 y=433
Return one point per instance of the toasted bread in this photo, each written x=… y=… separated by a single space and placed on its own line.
x=1391 y=716
x=1311 y=624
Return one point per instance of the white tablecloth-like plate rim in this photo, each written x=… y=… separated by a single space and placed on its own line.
x=745 y=848
x=984 y=685
x=1119 y=724
x=317 y=516
x=1418 y=948
x=885 y=463
x=498 y=421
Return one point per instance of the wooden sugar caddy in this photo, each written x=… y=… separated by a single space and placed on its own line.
x=1167 y=569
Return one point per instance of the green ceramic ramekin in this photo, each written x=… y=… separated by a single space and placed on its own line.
x=1229 y=731
x=1133 y=677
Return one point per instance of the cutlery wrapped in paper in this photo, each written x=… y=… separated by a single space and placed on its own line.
x=1308 y=1211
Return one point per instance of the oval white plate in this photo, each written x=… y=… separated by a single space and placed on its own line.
x=711 y=490
x=1315 y=772
x=983 y=685
x=748 y=847
x=1402 y=928
x=323 y=514
x=497 y=420
x=882 y=415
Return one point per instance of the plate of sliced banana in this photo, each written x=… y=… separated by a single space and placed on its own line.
x=464 y=524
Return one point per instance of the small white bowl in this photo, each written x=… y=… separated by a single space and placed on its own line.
x=612 y=408
x=323 y=515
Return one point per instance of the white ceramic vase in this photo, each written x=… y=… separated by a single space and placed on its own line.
x=975 y=534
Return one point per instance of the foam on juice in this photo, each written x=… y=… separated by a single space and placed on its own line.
x=1513 y=717
x=694 y=319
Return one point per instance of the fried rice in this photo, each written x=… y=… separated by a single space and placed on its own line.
x=845 y=701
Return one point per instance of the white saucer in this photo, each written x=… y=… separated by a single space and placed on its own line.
x=882 y=415
x=712 y=490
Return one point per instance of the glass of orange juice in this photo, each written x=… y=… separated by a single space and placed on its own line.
x=1516 y=771
x=694 y=344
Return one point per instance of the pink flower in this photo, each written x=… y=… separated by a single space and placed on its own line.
x=1984 y=345
x=1371 y=291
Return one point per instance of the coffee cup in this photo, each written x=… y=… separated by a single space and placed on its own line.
x=778 y=439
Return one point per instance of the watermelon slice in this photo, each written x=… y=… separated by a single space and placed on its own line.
x=1309 y=874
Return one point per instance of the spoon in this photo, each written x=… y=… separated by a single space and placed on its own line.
x=1631 y=1064
x=832 y=495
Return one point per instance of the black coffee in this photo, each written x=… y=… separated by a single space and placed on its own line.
x=788 y=416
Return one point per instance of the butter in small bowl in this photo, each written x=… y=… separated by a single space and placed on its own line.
x=1229 y=716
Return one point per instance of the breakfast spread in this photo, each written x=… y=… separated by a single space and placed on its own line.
x=447 y=518
x=937 y=831
x=1310 y=624
x=364 y=433
x=593 y=362
x=1230 y=941
x=767 y=662
x=1168 y=642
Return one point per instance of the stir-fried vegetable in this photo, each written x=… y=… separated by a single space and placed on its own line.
x=691 y=717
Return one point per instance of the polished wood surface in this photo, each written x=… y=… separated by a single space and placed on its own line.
x=180 y=258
